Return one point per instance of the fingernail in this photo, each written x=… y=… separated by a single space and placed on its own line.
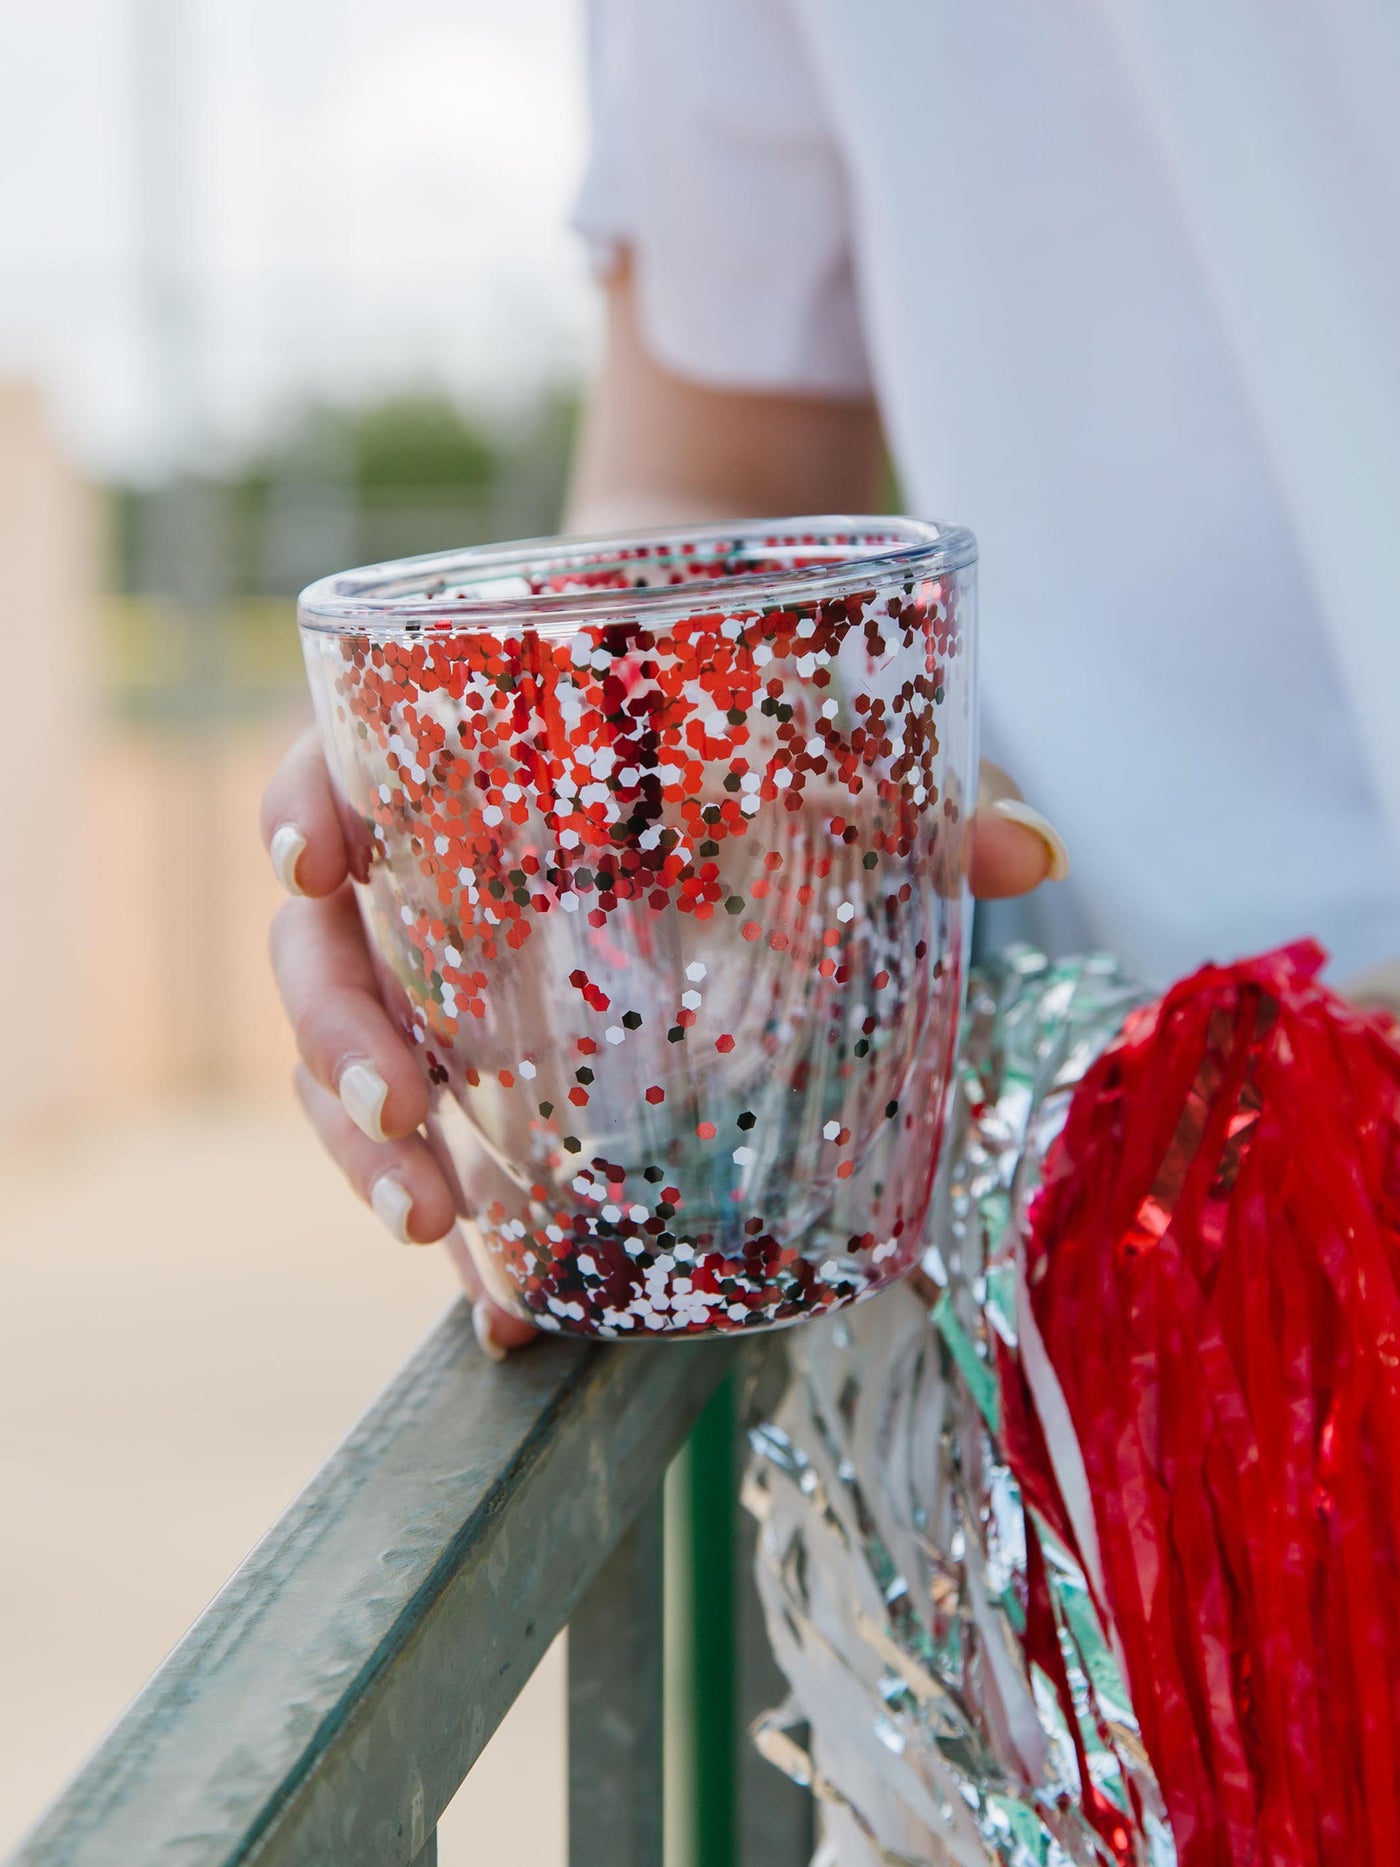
x=484 y=1330
x=393 y=1205
x=1016 y=810
x=362 y=1091
x=285 y=850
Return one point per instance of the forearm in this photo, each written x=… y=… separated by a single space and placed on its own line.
x=656 y=449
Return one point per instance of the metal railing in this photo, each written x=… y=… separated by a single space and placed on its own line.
x=325 y=1708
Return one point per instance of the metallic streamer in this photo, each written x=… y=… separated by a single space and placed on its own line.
x=892 y=1557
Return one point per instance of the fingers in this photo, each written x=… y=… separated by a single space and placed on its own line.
x=497 y=1330
x=409 y=1194
x=346 y=1038
x=1014 y=847
x=399 y=1179
x=300 y=823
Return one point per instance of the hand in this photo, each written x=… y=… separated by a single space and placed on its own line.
x=358 y=1079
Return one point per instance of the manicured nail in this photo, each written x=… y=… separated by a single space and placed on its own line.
x=1016 y=810
x=362 y=1092
x=285 y=850
x=393 y=1205
x=485 y=1332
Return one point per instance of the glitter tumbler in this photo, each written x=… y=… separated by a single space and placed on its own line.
x=661 y=848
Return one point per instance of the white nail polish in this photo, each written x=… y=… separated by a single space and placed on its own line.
x=285 y=850
x=1016 y=810
x=363 y=1092
x=484 y=1332
x=393 y=1205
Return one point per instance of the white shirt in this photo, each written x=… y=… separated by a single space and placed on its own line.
x=1125 y=278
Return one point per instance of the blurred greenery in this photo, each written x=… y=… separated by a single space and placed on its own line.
x=413 y=472
x=204 y=567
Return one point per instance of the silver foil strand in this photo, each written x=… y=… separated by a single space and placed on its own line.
x=892 y=1552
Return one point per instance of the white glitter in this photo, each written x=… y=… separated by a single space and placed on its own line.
x=527 y=1070
x=742 y=1156
x=615 y=1034
x=695 y=970
x=692 y=1001
x=612 y=1213
x=831 y=1130
x=846 y=912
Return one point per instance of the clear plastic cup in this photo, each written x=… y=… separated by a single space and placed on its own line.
x=660 y=842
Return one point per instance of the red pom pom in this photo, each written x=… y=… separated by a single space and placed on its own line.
x=1214 y=1269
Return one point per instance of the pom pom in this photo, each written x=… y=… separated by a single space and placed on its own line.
x=1204 y=1405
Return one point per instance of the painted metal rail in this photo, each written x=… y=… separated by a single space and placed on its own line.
x=325 y=1708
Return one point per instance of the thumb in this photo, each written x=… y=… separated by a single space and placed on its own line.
x=1014 y=847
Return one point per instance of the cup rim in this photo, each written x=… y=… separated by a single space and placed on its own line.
x=388 y=598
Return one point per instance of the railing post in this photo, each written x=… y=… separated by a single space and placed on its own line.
x=615 y=1705
x=744 y=1814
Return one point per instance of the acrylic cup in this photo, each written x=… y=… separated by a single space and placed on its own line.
x=660 y=843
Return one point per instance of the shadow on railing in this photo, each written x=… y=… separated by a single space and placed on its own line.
x=327 y=1705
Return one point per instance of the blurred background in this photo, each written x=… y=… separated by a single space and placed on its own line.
x=282 y=289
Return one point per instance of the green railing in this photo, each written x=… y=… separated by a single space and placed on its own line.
x=325 y=1708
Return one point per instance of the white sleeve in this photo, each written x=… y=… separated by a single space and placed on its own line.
x=712 y=160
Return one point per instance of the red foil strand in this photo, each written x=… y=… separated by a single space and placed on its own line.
x=1214 y=1265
